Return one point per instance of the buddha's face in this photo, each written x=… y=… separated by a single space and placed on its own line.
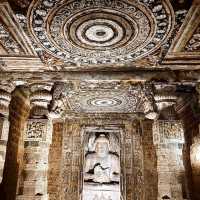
x=102 y=148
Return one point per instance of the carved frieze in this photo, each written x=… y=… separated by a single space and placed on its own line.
x=168 y=138
x=16 y=49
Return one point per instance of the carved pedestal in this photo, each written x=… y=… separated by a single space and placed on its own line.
x=168 y=138
x=5 y=97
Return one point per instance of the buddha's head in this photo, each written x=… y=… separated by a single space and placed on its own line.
x=102 y=146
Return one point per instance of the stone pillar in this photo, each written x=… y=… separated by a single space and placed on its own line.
x=168 y=138
x=37 y=139
x=195 y=164
x=5 y=98
x=195 y=156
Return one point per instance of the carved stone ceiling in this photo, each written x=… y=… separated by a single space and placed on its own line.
x=87 y=40
x=83 y=32
x=96 y=34
x=103 y=97
x=100 y=97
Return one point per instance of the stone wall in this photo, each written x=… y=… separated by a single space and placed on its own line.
x=19 y=109
x=55 y=155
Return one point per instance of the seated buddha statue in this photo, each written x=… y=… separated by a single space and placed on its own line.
x=102 y=166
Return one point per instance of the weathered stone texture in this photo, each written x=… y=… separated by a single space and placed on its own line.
x=55 y=156
x=150 y=162
x=71 y=162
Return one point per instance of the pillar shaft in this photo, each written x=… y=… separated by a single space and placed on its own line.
x=5 y=98
x=168 y=138
x=195 y=165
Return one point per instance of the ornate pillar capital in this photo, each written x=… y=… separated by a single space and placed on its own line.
x=40 y=98
x=165 y=96
x=5 y=96
x=150 y=111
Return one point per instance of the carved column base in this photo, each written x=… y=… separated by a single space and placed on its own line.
x=28 y=197
x=38 y=187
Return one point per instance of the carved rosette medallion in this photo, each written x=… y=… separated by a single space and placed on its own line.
x=85 y=32
x=104 y=101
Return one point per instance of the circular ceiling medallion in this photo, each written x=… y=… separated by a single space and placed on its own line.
x=100 y=31
x=104 y=102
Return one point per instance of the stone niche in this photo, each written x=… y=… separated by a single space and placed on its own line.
x=102 y=162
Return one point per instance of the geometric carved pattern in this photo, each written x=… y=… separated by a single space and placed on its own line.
x=16 y=50
x=72 y=162
x=134 y=175
x=99 y=32
x=35 y=130
x=168 y=132
x=8 y=42
x=38 y=130
x=194 y=42
x=103 y=101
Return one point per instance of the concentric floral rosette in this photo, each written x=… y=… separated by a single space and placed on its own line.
x=88 y=32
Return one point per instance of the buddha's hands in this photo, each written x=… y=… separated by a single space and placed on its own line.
x=101 y=175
